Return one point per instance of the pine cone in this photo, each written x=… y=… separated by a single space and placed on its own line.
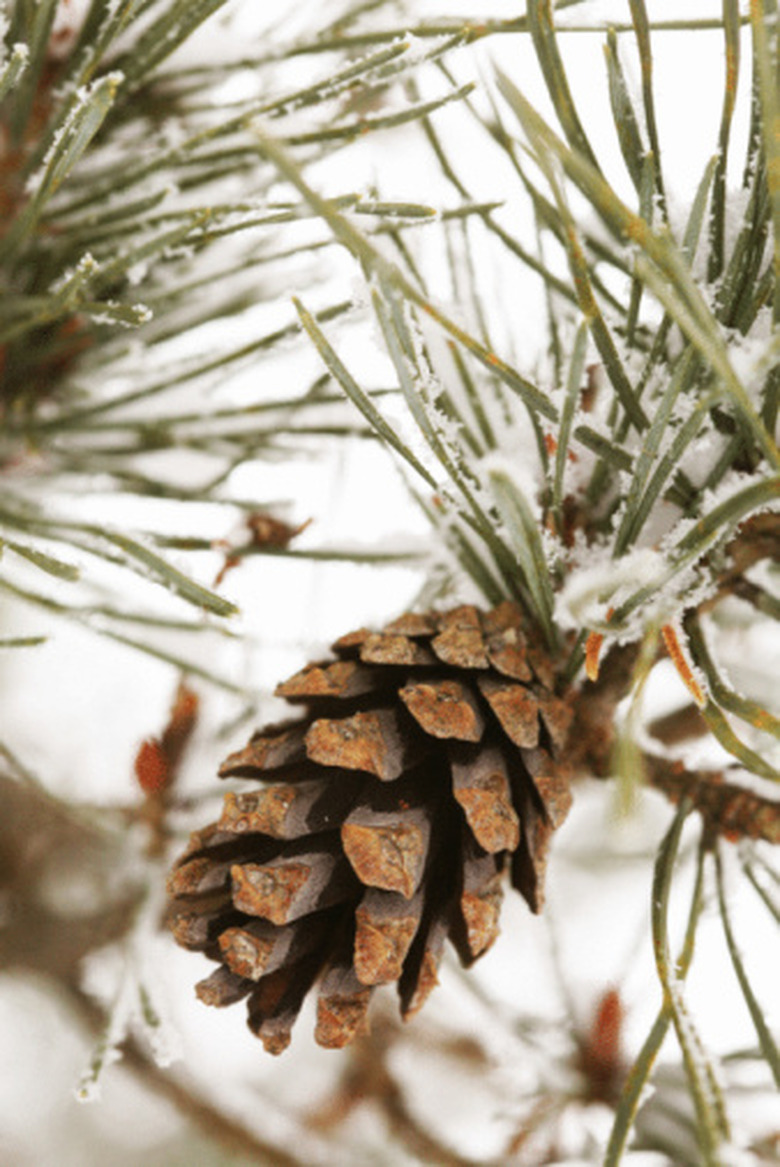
x=426 y=764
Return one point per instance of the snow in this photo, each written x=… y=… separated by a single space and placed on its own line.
x=604 y=583
x=752 y=357
x=141 y=314
x=19 y=54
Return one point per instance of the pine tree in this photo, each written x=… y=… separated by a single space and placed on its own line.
x=616 y=493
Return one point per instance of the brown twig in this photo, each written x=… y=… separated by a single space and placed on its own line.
x=729 y=810
x=368 y=1078
x=757 y=538
x=681 y=725
x=592 y=733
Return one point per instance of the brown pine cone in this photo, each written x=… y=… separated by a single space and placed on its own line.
x=426 y=764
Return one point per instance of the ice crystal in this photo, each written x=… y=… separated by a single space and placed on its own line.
x=595 y=588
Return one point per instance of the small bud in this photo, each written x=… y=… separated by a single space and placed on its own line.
x=151 y=767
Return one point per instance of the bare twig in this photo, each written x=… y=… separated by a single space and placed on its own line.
x=729 y=810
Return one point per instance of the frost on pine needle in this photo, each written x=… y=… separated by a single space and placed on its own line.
x=111 y=312
x=129 y=231
x=106 y=1053
x=600 y=584
x=88 y=108
x=123 y=979
x=12 y=68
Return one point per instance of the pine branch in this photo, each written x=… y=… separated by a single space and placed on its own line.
x=116 y=220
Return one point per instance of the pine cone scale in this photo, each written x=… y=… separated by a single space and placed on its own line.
x=270 y=751
x=557 y=718
x=479 y=903
x=292 y=810
x=199 y=931
x=372 y=742
x=342 y=1008
x=386 y=924
x=516 y=709
x=388 y=855
x=383 y=649
x=211 y=872
x=222 y=988
x=421 y=969
x=552 y=782
x=482 y=787
x=276 y=1000
x=460 y=642
x=529 y=862
x=342 y=679
x=258 y=948
x=412 y=624
x=288 y=888
x=444 y=709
